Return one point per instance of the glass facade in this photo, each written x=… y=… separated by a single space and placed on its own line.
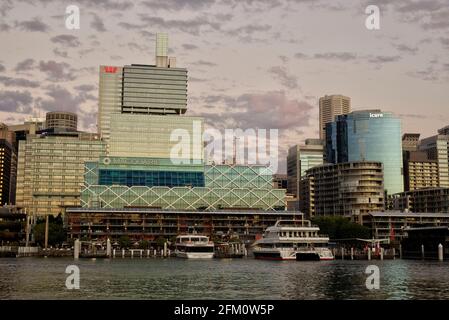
x=150 y=178
x=154 y=90
x=154 y=136
x=51 y=170
x=369 y=135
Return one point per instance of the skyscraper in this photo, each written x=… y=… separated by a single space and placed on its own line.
x=368 y=135
x=109 y=98
x=159 y=89
x=437 y=148
x=330 y=107
x=7 y=164
x=301 y=158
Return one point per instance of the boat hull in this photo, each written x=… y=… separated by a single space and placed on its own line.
x=194 y=255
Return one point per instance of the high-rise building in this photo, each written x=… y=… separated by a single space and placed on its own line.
x=159 y=89
x=152 y=136
x=368 y=135
x=6 y=158
x=51 y=169
x=437 y=148
x=300 y=158
x=61 y=120
x=419 y=170
x=330 y=107
x=109 y=98
x=348 y=189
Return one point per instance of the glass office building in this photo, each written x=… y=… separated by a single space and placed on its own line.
x=368 y=135
x=185 y=187
x=179 y=138
x=50 y=171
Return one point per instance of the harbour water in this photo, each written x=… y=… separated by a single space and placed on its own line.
x=154 y=278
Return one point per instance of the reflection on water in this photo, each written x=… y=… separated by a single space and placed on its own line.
x=41 y=278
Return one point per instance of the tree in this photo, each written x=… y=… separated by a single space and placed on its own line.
x=160 y=241
x=144 y=244
x=56 y=232
x=124 y=242
x=337 y=227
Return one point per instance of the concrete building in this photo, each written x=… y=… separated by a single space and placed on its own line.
x=421 y=200
x=349 y=189
x=61 y=120
x=391 y=224
x=279 y=181
x=437 y=148
x=301 y=158
x=7 y=154
x=368 y=135
x=51 y=169
x=330 y=107
x=419 y=171
x=99 y=224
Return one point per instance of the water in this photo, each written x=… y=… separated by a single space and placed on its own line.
x=44 y=278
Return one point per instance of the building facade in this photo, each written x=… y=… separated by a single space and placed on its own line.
x=349 y=189
x=51 y=170
x=421 y=200
x=437 y=148
x=109 y=98
x=280 y=181
x=301 y=158
x=114 y=182
x=368 y=135
x=100 y=224
x=330 y=107
x=419 y=171
x=6 y=164
x=175 y=137
x=61 y=120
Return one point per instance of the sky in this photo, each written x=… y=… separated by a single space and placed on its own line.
x=252 y=64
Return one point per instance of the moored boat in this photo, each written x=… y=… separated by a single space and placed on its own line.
x=293 y=240
x=194 y=246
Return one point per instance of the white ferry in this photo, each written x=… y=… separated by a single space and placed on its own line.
x=194 y=246
x=293 y=240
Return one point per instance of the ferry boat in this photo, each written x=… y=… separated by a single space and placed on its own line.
x=293 y=240
x=194 y=246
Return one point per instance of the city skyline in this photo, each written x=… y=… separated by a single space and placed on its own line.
x=54 y=68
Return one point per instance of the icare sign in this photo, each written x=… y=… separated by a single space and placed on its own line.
x=376 y=115
x=109 y=69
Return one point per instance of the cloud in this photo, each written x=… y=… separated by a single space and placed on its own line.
x=384 y=59
x=16 y=101
x=57 y=71
x=4 y=27
x=406 y=49
x=2 y=68
x=60 y=99
x=342 y=56
x=66 y=40
x=287 y=80
x=18 y=82
x=59 y=53
x=34 y=25
x=175 y=5
x=300 y=55
x=187 y=46
x=85 y=87
x=192 y=26
x=269 y=110
x=25 y=65
x=97 y=24
x=204 y=63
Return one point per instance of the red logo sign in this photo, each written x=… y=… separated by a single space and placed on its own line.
x=110 y=69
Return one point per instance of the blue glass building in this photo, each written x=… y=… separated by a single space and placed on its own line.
x=368 y=135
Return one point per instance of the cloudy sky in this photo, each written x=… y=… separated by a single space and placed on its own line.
x=251 y=63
